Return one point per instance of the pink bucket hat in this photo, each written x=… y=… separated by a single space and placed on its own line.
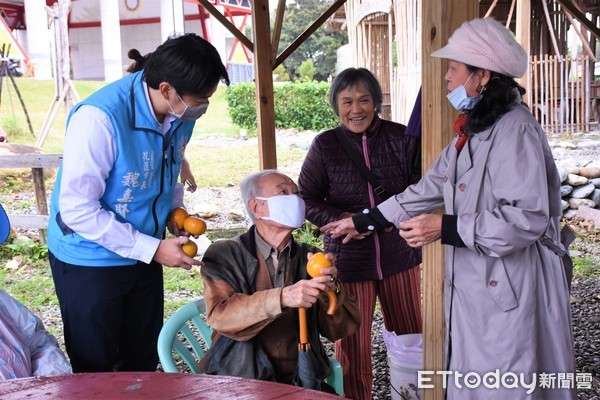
x=486 y=43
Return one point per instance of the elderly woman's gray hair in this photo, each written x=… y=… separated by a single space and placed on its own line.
x=249 y=187
x=351 y=77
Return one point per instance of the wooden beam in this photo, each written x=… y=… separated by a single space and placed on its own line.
x=309 y=31
x=572 y=8
x=30 y=160
x=227 y=24
x=263 y=72
x=583 y=39
x=29 y=221
x=277 y=27
x=440 y=19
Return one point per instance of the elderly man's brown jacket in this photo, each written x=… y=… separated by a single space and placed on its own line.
x=257 y=338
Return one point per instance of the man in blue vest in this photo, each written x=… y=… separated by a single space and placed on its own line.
x=124 y=147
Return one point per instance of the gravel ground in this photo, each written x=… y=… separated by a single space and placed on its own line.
x=585 y=294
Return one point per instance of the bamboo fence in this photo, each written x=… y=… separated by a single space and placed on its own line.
x=406 y=79
x=560 y=93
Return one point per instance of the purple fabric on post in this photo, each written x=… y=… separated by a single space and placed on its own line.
x=413 y=128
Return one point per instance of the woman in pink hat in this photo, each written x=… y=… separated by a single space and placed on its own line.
x=506 y=289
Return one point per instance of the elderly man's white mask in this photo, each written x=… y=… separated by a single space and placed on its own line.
x=287 y=209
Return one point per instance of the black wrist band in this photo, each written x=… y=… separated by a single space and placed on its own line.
x=370 y=219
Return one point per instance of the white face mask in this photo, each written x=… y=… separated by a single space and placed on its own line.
x=190 y=113
x=287 y=209
x=459 y=99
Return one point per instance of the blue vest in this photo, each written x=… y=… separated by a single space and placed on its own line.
x=139 y=188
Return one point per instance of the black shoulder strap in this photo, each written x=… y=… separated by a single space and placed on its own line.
x=360 y=164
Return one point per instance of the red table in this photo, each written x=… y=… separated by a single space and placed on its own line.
x=151 y=385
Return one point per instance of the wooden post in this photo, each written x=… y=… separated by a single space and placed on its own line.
x=263 y=72
x=523 y=32
x=40 y=197
x=440 y=19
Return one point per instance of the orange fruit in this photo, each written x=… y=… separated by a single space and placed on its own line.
x=178 y=216
x=194 y=226
x=190 y=248
x=316 y=263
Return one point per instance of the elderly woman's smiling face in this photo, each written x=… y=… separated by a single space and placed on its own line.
x=356 y=108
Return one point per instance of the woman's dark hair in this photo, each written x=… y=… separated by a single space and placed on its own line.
x=188 y=62
x=496 y=100
x=351 y=77
x=138 y=60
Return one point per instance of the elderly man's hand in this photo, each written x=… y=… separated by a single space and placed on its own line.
x=304 y=293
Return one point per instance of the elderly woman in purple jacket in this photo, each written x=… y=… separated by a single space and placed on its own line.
x=506 y=290
x=379 y=266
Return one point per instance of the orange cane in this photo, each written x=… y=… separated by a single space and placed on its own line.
x=304 y=344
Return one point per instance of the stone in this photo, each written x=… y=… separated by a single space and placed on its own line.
x=595 y=182
x=206 y=210
x=563 y=173
x=569 y=213
x=595 y=197
x=576 y=203
x=567 y=145
x=565 y=190
x=571 y=166
x=236 y=215
x=581 y=192
x=576 y=180
x=588 y=144
x=590 y=172
x=589 y=214
x=564 y=204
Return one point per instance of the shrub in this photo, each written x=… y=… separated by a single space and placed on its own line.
x=302 y=106
x=241 y=102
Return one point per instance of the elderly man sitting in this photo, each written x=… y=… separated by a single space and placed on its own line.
x=255 y=283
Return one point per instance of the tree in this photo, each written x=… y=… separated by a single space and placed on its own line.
x=307 y=70
x=321 y=47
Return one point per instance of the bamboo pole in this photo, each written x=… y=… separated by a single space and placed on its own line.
x=555 y=90
x=534 y=97
x=550 y=28
x=510 y=13
x=587 y=100
x=547 y=103
x=523 y=27
x=492 y=6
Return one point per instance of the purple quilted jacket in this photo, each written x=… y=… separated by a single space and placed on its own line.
x=331 y=185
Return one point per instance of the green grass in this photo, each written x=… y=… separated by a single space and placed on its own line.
x=38 y=96
x=585 y=268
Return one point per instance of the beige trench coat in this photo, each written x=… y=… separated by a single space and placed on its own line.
x=506 y=296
